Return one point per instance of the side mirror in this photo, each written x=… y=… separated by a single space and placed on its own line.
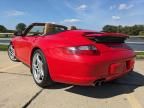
x=18 y=33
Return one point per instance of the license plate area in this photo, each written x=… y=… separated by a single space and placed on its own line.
x=117 y=68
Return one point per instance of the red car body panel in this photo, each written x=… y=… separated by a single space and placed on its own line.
x=112 y=60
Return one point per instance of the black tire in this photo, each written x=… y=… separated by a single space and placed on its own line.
x=47 y=81
x=14 y=58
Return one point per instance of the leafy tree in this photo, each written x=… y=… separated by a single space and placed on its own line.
x=110 y=28
x=130 y=30
x=127 y=30
x=20 y=27
x=2 y=29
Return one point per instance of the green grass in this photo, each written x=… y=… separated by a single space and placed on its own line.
x=3 y=47
x=140 y=55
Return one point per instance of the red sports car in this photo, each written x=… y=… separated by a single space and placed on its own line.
x=55 y=53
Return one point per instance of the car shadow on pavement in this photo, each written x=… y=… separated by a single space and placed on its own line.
x=58 y=86
x=124 y=85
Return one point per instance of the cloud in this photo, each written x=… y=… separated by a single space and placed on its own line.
x=112 y=7
x=14 y=13
x=124 y=6
x=71 y=20
x=116 y=17
x=82 y=7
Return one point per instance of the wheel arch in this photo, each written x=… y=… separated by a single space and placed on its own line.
x=33 y=50
x=31 y=55
x=10 y=42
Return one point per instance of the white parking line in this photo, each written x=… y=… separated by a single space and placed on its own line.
x=133 y=101
x=9 y=67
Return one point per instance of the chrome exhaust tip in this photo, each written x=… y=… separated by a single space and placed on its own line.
x=98 y=82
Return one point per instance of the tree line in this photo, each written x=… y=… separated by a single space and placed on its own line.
x=19 y=27
x=130 y=30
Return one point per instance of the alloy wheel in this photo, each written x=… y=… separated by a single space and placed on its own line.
x=37 y=68
x=11 y=53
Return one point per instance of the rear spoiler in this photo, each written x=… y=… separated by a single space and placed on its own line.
x=104 y=34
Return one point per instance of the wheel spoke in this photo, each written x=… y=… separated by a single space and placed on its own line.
x=11 y=53
x=38 y=59
x=35 y=66
x=38 y=75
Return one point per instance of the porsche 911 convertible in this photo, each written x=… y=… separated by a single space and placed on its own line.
x=55 y=53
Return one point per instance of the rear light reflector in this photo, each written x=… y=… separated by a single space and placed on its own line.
x=130 y=64
x=81 y=50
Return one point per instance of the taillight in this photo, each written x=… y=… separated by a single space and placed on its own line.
x=81 y=50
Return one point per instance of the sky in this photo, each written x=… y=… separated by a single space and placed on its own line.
x=86 y=14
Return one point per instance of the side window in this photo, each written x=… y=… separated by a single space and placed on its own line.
x=59 y=29
x=55 y=29
x=36 y=30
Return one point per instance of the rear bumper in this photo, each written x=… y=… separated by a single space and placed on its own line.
x=89 y=79
x=86 y=81
x=87 y=69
